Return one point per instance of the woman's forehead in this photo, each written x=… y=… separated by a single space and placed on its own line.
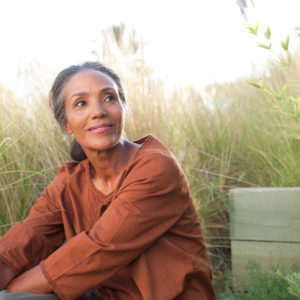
x=89 y=79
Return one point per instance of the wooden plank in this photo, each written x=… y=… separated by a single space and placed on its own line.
x=265 y=214
x=267 y=254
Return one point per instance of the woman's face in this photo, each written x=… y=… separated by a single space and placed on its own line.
x=94 y=111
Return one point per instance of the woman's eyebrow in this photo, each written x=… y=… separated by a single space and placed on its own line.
x=108 y=89
x=103 y=91
x=78 y=94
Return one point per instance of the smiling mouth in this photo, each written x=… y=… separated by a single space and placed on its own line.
x=100 y=129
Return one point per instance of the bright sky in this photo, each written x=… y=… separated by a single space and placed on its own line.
x=193 y=42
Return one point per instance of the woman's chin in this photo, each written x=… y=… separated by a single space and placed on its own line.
x=100 y=147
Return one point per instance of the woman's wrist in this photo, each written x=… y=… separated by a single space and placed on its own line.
x=32 y=281
x=6 y=276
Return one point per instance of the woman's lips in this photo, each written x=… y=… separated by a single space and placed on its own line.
x=100 y=128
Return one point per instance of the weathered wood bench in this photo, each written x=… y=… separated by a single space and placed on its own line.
x=264 y=227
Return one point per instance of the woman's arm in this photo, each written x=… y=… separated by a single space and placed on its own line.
x=150 y=201
x=6 y=276
x=32 y=281
x=26 y=244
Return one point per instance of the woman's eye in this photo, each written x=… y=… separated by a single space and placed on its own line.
x=80 y=103
x=110 y=98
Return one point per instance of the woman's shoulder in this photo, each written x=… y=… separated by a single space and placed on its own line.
x=150 y=143
x=155 y=170
x=70 y=171
x=152 y=151
x=154 y=160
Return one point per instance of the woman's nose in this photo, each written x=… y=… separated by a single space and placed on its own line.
x=98 y=111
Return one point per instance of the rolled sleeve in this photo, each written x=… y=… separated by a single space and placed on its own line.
x=27 y=243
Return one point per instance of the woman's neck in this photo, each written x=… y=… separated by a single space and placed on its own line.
x=107 y=166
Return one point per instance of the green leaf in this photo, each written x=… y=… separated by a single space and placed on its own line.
x=285 y=44
x=258 y=85
x=241 y=177
x=283 y=91
x=267 y=33
x=276 y=95
x=268 y=47
x=294 y=100
x=252 y=29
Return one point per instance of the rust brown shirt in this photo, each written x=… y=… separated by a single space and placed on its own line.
x=142 y=241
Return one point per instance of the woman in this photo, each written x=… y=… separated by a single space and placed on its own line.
x=123 y=208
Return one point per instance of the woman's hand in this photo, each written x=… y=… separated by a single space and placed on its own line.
x=32 y=281
x=6 y=276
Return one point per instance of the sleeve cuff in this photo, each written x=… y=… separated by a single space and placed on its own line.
x=8 y=265
x=61 y=267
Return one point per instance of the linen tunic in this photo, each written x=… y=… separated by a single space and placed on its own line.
x=142 y=241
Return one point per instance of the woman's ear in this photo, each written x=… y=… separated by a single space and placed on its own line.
x=68 y=128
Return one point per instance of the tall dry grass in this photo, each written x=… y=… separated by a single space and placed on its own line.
x=31 y=149
x=236 y=136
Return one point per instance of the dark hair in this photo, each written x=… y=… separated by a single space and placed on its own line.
x=57 y=101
